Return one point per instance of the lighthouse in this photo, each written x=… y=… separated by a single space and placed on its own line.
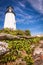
x=10 y=21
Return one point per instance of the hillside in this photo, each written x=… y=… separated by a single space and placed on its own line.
x=17 y=47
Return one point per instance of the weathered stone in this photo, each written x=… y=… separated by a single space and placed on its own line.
x=37 y=51
x=3 y=47
x=19 y=61
x=11 y=37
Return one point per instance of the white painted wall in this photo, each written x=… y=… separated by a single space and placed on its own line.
x=10 y=21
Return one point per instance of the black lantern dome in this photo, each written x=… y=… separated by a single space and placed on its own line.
x=10 y=9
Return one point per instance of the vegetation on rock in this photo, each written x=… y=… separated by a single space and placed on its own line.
x=19 y=48
x=15 y=32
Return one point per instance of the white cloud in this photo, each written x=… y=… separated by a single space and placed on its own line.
x=20 y=20
x=37 y=4
x=29 y=16
x=21 y=4
x=18 y=9
x=36 y=33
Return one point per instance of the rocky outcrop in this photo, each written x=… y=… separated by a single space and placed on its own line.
x=11 y=37
x=7 y=36
x=17 y=62
x=3 y=47
x=38 y=54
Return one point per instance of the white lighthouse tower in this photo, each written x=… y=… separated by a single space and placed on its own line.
x=10 y=21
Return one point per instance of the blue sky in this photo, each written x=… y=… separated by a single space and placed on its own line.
x=29 y=14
